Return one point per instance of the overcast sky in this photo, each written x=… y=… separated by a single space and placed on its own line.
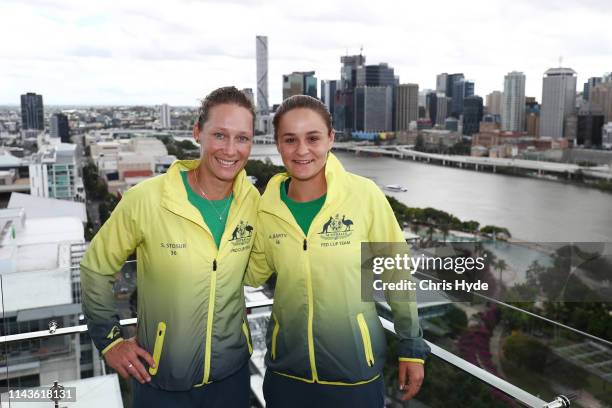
x=148 y=52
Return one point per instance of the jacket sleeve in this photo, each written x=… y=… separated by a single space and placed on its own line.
x=258 y=269
x=385 y=229
x=108 y=251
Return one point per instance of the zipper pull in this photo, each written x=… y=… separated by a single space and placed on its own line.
x=305 y=244
x=214 y=265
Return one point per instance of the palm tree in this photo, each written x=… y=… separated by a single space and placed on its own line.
x=445 y=230
x=430 y=231
x=500 y=265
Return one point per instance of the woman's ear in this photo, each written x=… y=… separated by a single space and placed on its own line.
x=332 y=138
x=196 y=132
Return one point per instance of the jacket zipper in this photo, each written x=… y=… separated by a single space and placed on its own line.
x=311 y=353
x=209 y=322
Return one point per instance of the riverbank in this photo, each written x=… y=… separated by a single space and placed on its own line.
x=598 y=177
x=532 y=209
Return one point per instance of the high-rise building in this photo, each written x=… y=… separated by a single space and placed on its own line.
x=54 y=172
x=570 y=127
x=432 y=105
x=590 y=84
x=531 y=103
x=423 y=97
x=451 y=79
x=472 y=114
x=461 y=90
x=164 y=116
x=532 y=121
x=406 y=105
x=310 y=85
x=442 y=107
x=589 y=129
x=59 y=127
x=601 y=98
x=441 y=81
x=344 y=115
x=558 y=101
x=328 y=94
x=494 y=103
x=261 y=42
x=348 y=72
x=300 y=83
x=373 y=108
x=32 y=112
x=379 y=75
x=513 y=102
x=375 y=75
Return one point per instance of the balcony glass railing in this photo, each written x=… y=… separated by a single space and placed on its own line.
x=485 y=352
x=450 y=379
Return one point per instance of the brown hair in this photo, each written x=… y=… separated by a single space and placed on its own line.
x=226 y=94
x=301 y=101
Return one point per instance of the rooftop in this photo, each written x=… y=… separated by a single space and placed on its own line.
x=41 y=207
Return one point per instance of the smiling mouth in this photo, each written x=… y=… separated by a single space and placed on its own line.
x=303 y=161
x=226 y=163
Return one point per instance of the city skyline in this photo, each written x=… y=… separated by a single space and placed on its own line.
x=129 y=54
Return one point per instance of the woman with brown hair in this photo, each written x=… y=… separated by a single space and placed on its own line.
x=326 y=345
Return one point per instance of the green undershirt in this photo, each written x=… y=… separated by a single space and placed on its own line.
x=303 y=212
x=210 y=209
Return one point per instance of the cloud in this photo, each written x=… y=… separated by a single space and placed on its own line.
x=90 y=51
x=154 y=52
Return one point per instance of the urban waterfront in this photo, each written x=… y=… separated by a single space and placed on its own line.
x=532 y=209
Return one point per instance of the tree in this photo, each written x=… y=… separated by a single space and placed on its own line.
x=500 y=265
x=457 y=319
x=262 y=171
x=445 y=230
x=430 y=232
x=187 y=145
x=496 y=232
x=526 y=352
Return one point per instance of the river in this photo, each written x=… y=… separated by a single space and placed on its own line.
x=532 y=209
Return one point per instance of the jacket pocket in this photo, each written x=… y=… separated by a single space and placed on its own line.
x=365 y=337
x=245 y=330
x=274 y=336
x=159 y=345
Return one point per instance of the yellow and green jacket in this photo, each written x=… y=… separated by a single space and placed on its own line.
x=320 y=329
x=191 y=308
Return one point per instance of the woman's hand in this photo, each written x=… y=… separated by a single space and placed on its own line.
x=124 y=358
x=410 y=378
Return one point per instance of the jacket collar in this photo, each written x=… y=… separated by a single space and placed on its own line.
x=334 y=175
x=174 y=195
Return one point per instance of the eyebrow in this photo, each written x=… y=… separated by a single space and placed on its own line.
x=312 y=132
x=240 y=132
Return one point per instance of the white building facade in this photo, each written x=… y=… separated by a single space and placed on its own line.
x=558 y=101
x=513 y=105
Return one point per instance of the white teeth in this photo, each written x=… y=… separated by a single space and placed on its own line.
x=227 y=163
x=303 y=161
